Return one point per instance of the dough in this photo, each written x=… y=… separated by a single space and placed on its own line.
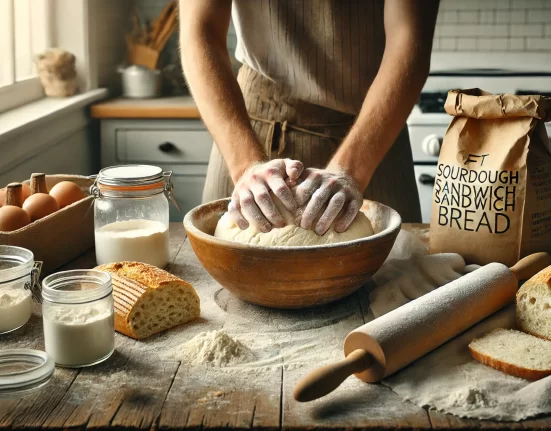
x=291 y=235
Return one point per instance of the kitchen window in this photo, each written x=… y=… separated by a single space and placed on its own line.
x=25 y=30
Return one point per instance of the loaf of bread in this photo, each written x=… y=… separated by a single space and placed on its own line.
x=149 y=300
x=533 y=305
x=514 y=353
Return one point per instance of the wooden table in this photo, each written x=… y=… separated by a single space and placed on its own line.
x=169 y=395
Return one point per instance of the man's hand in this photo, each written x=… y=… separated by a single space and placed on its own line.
x=251 y=202
x=331 y=196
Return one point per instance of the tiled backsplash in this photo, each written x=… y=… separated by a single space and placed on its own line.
x=493 y=26
x=462 y=25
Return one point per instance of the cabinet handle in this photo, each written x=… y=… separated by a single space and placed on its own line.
x=426 y=179
x=167 y=147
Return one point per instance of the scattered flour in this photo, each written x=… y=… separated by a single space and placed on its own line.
x=215 y=348
x=472 y=398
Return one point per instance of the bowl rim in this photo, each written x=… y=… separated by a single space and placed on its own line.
x=393 y=227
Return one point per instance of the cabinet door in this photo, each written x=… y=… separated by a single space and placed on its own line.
x=173 y=147
x=188 y=190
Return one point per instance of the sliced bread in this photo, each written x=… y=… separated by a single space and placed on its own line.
x=149 y=300
x=534 y=305
x=513 y=352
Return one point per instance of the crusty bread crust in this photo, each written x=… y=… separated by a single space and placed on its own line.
x=131 y=281
x=149 y=275
x=508 y=368
x=539 y=284
x=542 y=277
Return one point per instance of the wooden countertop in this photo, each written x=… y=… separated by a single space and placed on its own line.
x=135 y=392
x=164 y=107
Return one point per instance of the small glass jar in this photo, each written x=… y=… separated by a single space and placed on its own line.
x=131 y=214
x=18 y=275
x=78 y=316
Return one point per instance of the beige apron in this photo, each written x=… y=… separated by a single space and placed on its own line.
x=310 y=133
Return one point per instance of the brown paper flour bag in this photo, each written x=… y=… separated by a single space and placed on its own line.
x=492 y=192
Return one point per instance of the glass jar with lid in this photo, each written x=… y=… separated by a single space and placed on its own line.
x=18 y=276
x=78 y=316
x=131 y=213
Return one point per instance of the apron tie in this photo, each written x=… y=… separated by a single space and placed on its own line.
x=278 y=131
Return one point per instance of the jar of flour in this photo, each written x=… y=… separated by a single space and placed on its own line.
x=78 y=317
x=131 y=214
x=18 y=276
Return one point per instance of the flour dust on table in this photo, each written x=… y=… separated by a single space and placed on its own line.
x=214 y=348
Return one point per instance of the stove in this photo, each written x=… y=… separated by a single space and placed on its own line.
x=432 y=102
x=428 y=122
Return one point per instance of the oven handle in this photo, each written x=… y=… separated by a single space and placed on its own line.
x=426 y=179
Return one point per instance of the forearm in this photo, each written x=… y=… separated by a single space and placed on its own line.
x=409 y=30
x=386 y=107
x=207 y=68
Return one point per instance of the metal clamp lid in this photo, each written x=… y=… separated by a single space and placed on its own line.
x=34 y=283
x=169 y=190
x=133 y=176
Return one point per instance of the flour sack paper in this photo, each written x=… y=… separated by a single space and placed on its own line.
x=492 y=192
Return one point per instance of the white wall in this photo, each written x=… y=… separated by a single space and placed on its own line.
x=108 y=23
x=494 y=26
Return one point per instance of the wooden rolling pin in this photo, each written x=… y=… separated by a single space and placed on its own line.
x=396 y=339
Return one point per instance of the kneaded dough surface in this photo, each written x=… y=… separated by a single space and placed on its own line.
x=291 y=235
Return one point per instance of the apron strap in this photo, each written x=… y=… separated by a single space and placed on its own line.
x=285 y=126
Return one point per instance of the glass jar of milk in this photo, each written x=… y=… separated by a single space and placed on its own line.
x=78 y=316
x=131 y=214
x=18 y=275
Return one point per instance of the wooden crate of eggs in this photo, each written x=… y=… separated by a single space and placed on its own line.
x=51 y=215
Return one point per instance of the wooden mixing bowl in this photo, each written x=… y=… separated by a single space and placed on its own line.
x=291 y=277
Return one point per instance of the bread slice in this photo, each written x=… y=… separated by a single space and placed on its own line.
x=534 y=305
x=513 y=352
x=149 y=300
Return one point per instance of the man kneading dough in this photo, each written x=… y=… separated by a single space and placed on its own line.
x=292 y=234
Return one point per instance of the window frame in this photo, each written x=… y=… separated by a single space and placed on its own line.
x=27 y=90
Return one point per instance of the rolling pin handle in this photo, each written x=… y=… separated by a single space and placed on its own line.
x=530 y=265
x=326 y=379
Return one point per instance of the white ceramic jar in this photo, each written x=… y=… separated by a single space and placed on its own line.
x=17 y=277
x=131 y=214
x=78 y=316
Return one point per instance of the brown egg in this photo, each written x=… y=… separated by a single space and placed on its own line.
x=40 y=205
x=2 y=197
x=66 y=193
x=26 y=191
x=13 y=218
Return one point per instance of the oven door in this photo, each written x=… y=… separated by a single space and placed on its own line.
x=424 y=174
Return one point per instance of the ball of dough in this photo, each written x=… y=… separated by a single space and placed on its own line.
x=291 y=235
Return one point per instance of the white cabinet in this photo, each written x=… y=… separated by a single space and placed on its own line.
x=178 y=145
